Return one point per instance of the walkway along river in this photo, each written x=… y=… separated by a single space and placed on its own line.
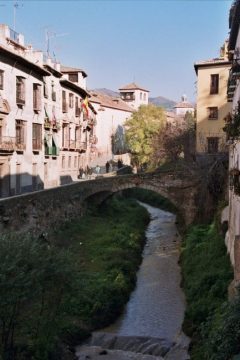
x=150 y=327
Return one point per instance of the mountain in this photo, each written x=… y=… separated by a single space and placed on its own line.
x=162 y=102
x=108 y=92
x=158 y=101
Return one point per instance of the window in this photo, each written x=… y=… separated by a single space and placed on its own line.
x=54 y=97
x=64 y=102
x=140 y=95
x=36 y=97
x=65 y=136
x=69 y=161
x=75 y=161
x=144 y=96
x=77 y=109
x=45 y=88
x=63 y=162
x=20 y=90
x=212 y=113
x=214 y=84
x=71 y=100
x=36 y=136
x=1 y=79
x=73 y=77
x=20 y=135
x=212 y=144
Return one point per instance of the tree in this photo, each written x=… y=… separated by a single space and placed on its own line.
x=175 y=139
x=141 y=129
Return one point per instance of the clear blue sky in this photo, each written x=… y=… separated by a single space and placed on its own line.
x=152 y=42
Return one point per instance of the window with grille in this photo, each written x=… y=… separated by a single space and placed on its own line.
x=64 y=102
x=36 y=97
x=73 y=77
x=45 y=88
x=1 y=79
x=212 y=144
x=36 y=136
x=214 y=84
x=20 y=90
x=20 y=134
x=213 y=113
x=71 y=100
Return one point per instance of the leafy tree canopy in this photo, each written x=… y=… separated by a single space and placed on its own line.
x=141 y=129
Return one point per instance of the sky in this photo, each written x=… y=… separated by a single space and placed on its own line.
x=154 y=43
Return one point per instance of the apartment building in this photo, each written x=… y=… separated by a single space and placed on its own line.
x=45 y=133
x=212 y=103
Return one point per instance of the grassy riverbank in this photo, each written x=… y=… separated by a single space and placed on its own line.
x=207 y=274
x=60 y=288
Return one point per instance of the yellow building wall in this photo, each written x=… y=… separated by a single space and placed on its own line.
x=205 y=127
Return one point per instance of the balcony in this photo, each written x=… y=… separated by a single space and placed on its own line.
x=20 y=146
x=93 y=139
x=7 y=144
x=81 y=146
x=51 y=150
x=47 y=123
x=14 y=36
x=72 y=144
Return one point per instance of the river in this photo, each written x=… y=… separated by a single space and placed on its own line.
x=150 y=327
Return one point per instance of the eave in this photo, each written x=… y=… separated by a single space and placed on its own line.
x=70 y=85
x=38 y=69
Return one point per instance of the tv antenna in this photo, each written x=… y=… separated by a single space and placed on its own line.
x=52 y=35
x=15 y=7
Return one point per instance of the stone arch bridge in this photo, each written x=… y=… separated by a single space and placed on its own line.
x=37 y=212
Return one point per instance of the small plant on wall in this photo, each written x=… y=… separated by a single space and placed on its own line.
x=232 y=124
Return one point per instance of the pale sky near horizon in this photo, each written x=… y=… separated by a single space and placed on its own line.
x=152 y=42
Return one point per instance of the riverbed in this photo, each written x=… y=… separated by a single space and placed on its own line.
x=155 y=310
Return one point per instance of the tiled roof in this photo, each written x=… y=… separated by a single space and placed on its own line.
x=133 y=86
x=109 y=101
x=68 y=69
x=211 y=62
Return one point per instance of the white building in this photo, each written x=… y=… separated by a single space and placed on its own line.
x=134 y=95
x=45 y=135
x=111 y=116
x=182 y=107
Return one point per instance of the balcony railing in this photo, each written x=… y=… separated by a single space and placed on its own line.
x=51 y=150
x=20 y=146
x=81 y=145
x=14 y=36
x=7 y=143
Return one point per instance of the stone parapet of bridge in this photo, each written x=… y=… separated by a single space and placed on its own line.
x=41 y=211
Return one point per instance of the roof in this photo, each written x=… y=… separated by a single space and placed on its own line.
x=133 y=86
x=69 y=70
x=211 y=62
x=184 y=104
x=52 y=70
x=70 y=85
x=109 y=101
x=18 y=58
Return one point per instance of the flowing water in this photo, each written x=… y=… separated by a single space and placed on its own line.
x=150 y=327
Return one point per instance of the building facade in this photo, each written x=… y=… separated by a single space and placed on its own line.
x=212 y=103
x=134 y=95
x=110 y=133
x=45 y=131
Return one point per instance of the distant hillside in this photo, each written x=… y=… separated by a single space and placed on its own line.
x=158 y=101
x=162 y=102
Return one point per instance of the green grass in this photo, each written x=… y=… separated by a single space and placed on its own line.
x=206 y=273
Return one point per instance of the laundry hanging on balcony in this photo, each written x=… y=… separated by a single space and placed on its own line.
x=55 y=139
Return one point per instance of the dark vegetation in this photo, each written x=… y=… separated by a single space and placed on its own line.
x=56 y=290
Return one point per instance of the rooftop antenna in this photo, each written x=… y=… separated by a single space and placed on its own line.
x=51 y=35
x=15 y=7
